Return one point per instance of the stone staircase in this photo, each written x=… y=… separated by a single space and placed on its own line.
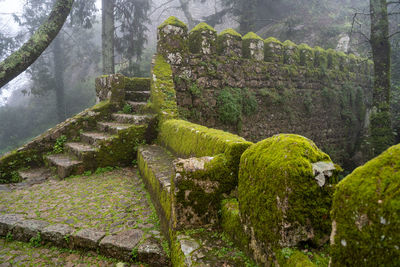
x=80 y=156
x=192 y=243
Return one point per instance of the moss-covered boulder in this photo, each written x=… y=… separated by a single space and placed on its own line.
x=366 y=214
x=285 y=190
x=306 y=55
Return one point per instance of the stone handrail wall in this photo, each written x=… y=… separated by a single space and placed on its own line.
x=176 y=43
x=322 y=94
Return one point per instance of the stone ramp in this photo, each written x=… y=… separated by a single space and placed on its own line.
x=105 y=212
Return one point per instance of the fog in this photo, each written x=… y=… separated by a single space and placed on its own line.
x=328 y=24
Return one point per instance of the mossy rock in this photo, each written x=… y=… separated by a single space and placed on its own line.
x=234 y=49
x=366 y=214
x=306 y=55
x=174 y=21
x=202 y=39
x=253 y=53
x=162 y=94
x=321 y=57
x=231 y=224
x=290 y=53
x=137 y=84
x=273 y=50
x=277 y=188
x=333 y=59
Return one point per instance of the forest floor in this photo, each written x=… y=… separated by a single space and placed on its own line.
x=109 y=202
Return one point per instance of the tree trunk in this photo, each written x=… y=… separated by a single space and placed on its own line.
x=107 y=36
x=188 y=15
x=59 y=64
x=247 y=16
x=20 y=60
x=380 y=128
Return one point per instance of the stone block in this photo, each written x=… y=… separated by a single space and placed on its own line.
x=26 y=229
x=87 y=239
x=120 y=246
x=57 y=234
x=8 y=221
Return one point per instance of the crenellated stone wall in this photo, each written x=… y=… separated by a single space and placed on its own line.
x=257 y=88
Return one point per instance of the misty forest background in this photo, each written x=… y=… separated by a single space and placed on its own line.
x=65 y=72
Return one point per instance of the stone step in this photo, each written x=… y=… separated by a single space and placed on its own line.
x=203 y=247
x=120 y=246
x=94 y=138
x=138 y=96
x=82 y=150
x=132 y=119
x=65 y=164
x=156 y=168
x=137 y=107
x=33 y=176
x=112 y=127
x=137 y=84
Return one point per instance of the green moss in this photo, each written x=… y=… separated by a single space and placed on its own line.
x=343 y=64
x=231 y=224
x=137 y=84
x=188 y=139
x=306 y=55
x=161 y=197
x=249 y=38
x=231 y=32
x=333 y=59
x=321 y=58
x=298 y=259
x=273 y=50
x=233 y=103
x=366 y=214
x=173 y=21
x=381 y=134
x=16 y=160
x=197 y=35
x=177 y=256
x=203 y=27
x=122 y=149
x=272 y=40
x=163 y=95
x=225 y=35
x=291 y=53
x=277 y=187
x=252 y=36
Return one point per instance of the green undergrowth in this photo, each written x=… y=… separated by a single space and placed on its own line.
x=234 y=103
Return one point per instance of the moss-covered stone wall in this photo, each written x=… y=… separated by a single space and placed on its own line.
x=320 y=94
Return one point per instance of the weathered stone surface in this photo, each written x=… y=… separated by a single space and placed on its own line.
x=8 y=221
x=87 y=238
x=121 y=245
x=57 y=234
x=151 y=252
x=26 y=229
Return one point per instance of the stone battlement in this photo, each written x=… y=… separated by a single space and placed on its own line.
x=177 y=44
